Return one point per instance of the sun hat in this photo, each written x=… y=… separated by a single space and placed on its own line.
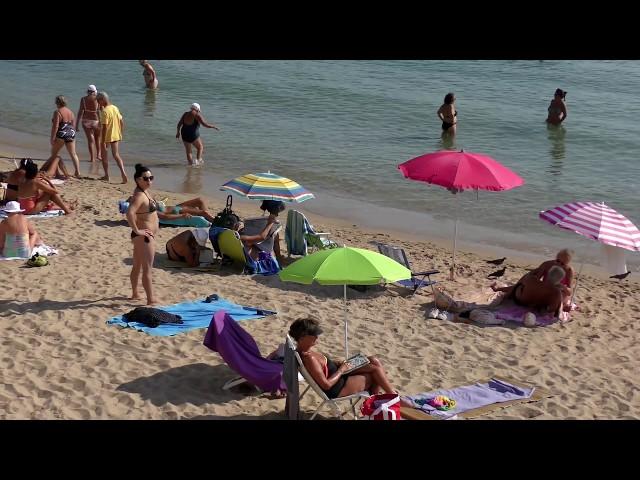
x=201 y=235
x=195 y=106
x=92 y=88
x=13 y=207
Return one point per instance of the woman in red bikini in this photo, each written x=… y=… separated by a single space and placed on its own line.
x=37 y=193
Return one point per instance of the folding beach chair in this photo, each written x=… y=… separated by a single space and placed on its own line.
x=240 y=351
x=255 y=226
x=417 y=278
x=231 y=247
x=301 y=237
x=333 y=402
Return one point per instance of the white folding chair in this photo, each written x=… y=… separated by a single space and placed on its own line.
x=333 y=402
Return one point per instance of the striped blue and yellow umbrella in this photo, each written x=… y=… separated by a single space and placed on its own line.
x=268 y=186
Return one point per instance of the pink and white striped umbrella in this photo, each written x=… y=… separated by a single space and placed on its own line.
x=597 y=222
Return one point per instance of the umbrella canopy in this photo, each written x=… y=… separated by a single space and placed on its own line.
x=345 y=266
x=458 y=171
x=461 y=171
x=268 y=186
x=597 y=222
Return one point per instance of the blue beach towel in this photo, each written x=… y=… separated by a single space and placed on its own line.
x=471 y=396
x=195 y=314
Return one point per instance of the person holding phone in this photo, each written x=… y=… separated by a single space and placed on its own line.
x=331 y=375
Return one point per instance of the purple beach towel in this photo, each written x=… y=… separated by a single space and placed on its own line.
x=515 y=313
x=470 y=397
x=240 y=351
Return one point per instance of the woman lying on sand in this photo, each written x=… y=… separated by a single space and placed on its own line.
x=546 y=295
x=328 y=373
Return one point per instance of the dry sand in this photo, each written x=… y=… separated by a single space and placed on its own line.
x=59 y=359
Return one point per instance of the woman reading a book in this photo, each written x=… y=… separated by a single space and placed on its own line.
x=329 y=374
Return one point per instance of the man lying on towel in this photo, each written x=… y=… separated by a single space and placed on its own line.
x=548 y=295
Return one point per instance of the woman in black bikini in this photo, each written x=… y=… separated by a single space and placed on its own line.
x=557 y=108
x=63 y=133
x=447 y=114
x=143 y=219
x=327 y=373
x=88 y=116
x=188 y=127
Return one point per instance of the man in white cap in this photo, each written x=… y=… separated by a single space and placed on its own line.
x=18 y=236
x=89 y=119
x=186 y=246
x=188 y=127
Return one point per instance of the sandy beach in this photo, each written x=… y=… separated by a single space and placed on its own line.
x=60 y=360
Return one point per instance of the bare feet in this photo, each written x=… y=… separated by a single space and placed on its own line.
x=125 y=179
x=104 y=179
x=134 y=296
x=152 y=303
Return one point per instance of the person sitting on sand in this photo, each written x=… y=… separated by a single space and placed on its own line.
x=37 y=193
x=55 y=168
x=15 y=178
x=327 y=373
x=563 y=260
x=18 y=236
x=530 y=291
x=186 y=246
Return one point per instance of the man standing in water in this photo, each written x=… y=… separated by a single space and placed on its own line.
x=149 y=74
x=112 y=129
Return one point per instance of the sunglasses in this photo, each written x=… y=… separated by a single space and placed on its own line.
x=147 y=179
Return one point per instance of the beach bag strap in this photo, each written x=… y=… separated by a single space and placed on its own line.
x=389 y=410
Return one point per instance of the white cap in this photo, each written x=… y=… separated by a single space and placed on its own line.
x=92 y=88
x=201 y=235
x=195 y=106
x=13 y=207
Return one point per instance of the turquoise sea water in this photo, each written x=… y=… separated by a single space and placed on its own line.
x=341 y=127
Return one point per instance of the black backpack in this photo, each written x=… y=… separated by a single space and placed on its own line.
x=226 y=218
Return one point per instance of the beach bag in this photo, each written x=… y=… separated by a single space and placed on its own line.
x=385 y=406
x=226 y=218
x=38 y=260
x=266 y=264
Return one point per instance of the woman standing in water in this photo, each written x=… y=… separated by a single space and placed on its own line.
x=88 y=115
x=143 y=219
x=447 y=113
x=189 y=128
x=63 y=133
x=149 y=74
x=557 y=108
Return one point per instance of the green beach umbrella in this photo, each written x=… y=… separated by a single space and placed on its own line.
x=345 y=266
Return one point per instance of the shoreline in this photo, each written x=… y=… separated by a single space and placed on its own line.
x=62 y=361
x=366 y=217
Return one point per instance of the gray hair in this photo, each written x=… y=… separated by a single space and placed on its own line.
x=102 y=95
x=555 y=275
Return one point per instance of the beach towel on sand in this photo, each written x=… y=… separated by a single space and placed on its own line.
x=45 y=214
x=470 y=397
x=515 y=313
x=44 y=250
x=195 y=314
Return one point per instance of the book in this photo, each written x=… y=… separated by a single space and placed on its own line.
x=356 y=361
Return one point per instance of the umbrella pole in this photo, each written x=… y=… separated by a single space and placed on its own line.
x=346 y=345
x=455 y=240
x=573 y=294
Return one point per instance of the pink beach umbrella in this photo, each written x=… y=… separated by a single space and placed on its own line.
x=458 y=171
x=597 y=222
